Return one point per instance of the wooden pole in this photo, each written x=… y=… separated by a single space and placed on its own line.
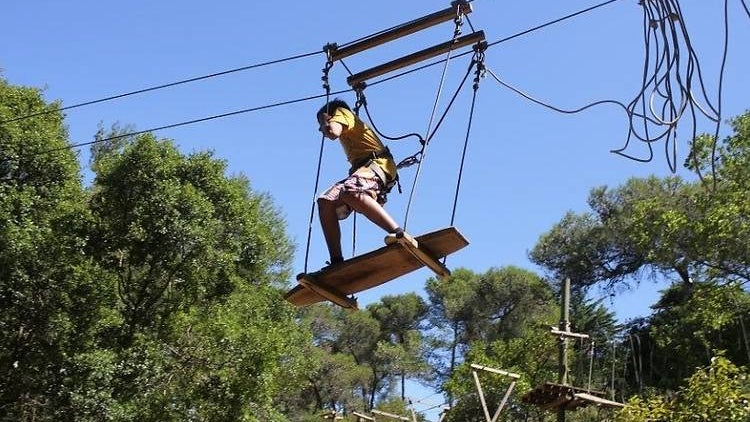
x=457 y=8
x=562 y=375
x=515 y=378
x=358 y=78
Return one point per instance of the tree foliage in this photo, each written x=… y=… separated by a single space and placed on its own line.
x=719 y=392
x=689 y=230
x=153 y=295
x=51 y=292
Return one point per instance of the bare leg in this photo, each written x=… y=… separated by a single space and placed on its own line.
x=370 y=208
x=329 y=223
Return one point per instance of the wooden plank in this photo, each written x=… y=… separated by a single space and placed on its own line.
x=377 y=267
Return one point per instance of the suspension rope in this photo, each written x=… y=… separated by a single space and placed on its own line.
x=478 y=74
x=327 y=87
x=423 y=153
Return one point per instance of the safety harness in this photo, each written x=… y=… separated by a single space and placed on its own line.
x=370 y=163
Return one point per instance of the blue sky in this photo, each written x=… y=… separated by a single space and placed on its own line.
x=525 y=167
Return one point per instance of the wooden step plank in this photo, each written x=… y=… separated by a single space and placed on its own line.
x=377 y=267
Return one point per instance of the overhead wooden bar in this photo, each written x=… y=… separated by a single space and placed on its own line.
x=457 y=7
x=568 y=333
x=496 y=371
x=417 y=57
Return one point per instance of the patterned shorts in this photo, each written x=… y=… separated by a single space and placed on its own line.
x=361 y=181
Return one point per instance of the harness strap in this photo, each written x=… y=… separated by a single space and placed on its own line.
x=370 y=163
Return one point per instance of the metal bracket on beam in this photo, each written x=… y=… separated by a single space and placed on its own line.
x=460 y=7
x=417 y=57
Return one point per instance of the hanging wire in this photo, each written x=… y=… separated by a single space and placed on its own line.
x=456 y=33
x=670 y=84
x=386 y=79
x=184 y=123
x=673 y=83
x=158 y=87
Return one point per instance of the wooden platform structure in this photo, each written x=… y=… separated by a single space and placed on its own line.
x=556 y=397
x=514 y=378
x=401 y=255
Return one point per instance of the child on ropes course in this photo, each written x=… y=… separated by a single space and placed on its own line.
x=371 y=176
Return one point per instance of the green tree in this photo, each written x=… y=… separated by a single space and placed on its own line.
x=400 y=319
x=52 y=295
x=717 y=393
x=689 y=322
x=198 y=260
x=334 y=380
x=688 y=231
x=469 y=307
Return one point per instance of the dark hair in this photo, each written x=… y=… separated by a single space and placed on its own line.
x=332 y=105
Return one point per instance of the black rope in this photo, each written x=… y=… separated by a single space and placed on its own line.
x=666 y=95
x=158 y=87
x=327 y=87
x=479 y=72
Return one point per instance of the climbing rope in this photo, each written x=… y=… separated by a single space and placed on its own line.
x=456 y=33
x=327 y=87
x=478 y=74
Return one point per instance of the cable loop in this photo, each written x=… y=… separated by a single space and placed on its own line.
x=480 y=70
x=359 y=90
x=328 y=48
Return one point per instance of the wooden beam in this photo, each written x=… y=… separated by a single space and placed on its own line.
x=598 y=400
x=424 y=256
x=327 y=292
x=495 y=371
x=390 y=415
x=487 y=416
x=567 y=333
x=358 y=78
x=361 y=417
x=457 y=8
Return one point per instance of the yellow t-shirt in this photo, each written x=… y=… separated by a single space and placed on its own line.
x=359 y=141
